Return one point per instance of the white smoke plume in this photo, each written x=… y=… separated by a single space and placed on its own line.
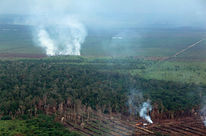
x=60 y=36
x=135 y=99
x=146 y=107
x=203 y=111
x=137 y=105
x=56 y=29
x=203 y=115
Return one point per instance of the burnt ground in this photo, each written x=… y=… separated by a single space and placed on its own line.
x=187 y=126
x=118 y=125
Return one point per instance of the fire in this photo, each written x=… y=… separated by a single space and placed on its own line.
x=139 y=124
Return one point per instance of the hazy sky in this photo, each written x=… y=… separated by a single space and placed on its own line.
x=176 y=12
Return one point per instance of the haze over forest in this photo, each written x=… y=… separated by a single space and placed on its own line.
x=117 y=13
x=102 y=67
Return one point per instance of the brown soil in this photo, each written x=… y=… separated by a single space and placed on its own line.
x=114 y=125
x=187 y=126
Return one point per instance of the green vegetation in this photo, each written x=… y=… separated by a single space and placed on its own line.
x=177 y=71
x=101 y=82
x=36 y=126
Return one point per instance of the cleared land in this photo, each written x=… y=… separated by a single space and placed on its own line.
x=97 y=124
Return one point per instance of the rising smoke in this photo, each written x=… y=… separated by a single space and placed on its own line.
x=203 y=110
x=137 y=13
x=203 y=115
x=56 y=29
x=62 y=37
x=135 y=99
x=138 y=106
x=146 y=107
x=59 y=35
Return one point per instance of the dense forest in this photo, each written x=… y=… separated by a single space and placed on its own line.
x=35 y=86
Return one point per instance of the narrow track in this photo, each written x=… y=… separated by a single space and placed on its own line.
x=183 y=50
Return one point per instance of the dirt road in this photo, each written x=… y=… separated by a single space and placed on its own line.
x=185 y=49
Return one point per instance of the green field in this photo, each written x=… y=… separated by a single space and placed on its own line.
x=140 y=42
x=185 y=72
x=17 y=39
x=99 y=42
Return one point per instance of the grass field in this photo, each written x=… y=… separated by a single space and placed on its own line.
x=140 y=42
x=133 y=41
x=197 y=53
x=17 y=39
x=193 y=72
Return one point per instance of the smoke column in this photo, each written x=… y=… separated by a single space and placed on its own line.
x=146 y=106
x=203 y=115
x=134 y=100
x=136 y=104
x=56 y=29
x=203 y=111
x=61 y=36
